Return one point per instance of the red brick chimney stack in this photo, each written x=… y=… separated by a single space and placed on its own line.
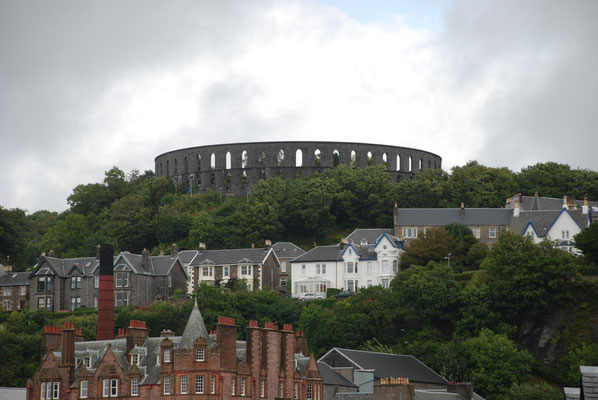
x=226 y=335
x=254 y=349
x=51 y=339
x=288 y=357
x=68 y=345
x=136 y=334
x=300 y=343
x=462 y=211
x=271 y=353
x=106 y=293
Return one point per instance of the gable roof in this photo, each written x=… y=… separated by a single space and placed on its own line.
x=539 y=203
x=321 y=253
x=331 y=377
x=287 y=250
x=230 y=256
x=63 y=266
x=542 y=220
x=390 y=365
x=370 y=235
x=15 y=279
x=445 y=216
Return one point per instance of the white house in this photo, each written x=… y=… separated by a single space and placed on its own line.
x=366 y=258
x=559 y=226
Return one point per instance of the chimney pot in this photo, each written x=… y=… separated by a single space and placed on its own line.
x=202 y=246
x=268 y=245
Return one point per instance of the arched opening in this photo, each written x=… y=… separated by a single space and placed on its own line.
x=199 y=181
x=244 y=177
x=228 y=160
x=353 y=159
x=228 y=181
x=420 y=164
x=160 y=169
x=198 y=162
x=213 y=161
x=317 y=158
x=370 y=160
x=280 y=157
x=398 y=162
x=186 y=165
x=262 y=173
x=176 y=166
x=167 y=168
x=429 y=163
x=336 y=158
x=384 y=160
x=298 y=158
x=212 y=178
x=244 y=159
x=410 y=163
x=261 y=160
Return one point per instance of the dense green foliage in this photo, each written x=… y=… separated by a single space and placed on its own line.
x=587 y=242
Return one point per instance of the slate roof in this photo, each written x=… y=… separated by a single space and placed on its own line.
x=15 y=279
x=331 y=377
x=421 y=394
x=589 y=381
x=321 y=253
x=354 y=396
x=187 y=255
x=536 y=202
x=229 y=256
x=543 y=220
x=62 y=266
x=445 y=216
x=371 y=235
x=391 y=365
x=287 y=250
x=194 y=329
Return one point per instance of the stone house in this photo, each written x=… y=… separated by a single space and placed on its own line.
x=14 y=289
x=271 y=363
x=286 y=251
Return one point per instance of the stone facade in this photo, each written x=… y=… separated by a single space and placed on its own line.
x=14 y=290
x=271 y=364
x=234 y=168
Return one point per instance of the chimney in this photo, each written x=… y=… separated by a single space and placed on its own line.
x=98 y=252
x=8 y=266
x=252 y=245
x=394 y=389
x=226 y=336
x=268 y=245
x=166 y=333
x=344 y=243
x=145 y=260
x=465 y=389
x=175 y=250
x=565 y=204
x=202 y=246
x=315 y=244
x=68 y=345
x=288 y=356
x=51 y=338
x=106 y=293
x=585 y=209
x=462 y=211
x=271 y=355
x=51 y=253
x=136 y=334
x=254 y=348
x=516 y=209
x=161 y=252
x=300 y=343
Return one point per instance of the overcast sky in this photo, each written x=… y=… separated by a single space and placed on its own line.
x=86 y=85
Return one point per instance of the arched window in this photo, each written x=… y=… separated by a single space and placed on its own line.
x=228 y=161
x=198 y=162
x=161 y=171
x=186 y=165
x=410 y=163
x=317 y=158
x=261 y=160
x=167 y=167
x=228 y=181
x=421 y=164
x=336 y=158
x=176 y=166
x=353 y=159
x=370 y=161
x=280 y=157
x=429 y=163
x=244 y=158
x=244 y=177
x=212 y=178
x=298 y=158
x=384 y=159
x=213 y=161
x=398 y=162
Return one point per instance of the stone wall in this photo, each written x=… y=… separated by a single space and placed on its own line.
x=234 y=168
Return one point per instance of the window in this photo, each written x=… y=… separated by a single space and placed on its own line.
x=369 y=267
x=167 y=385
x=242 y=386
x=158 y=359
x=296 y=394
x=166 y=356
x=364 y=242
x=213 y=384
x=492 y=232
x=244 y=270
x=106 y=388
x=369 y=284
x=565 y=234
x=75 y=302
x=281 y=389
x=309 y=391
x=122 y=279
x=303 y=269
x=113 y=387
x=83 y=390
x=48 y=303
x=43 y=391
x=134 y=359
x=121 y=299
x=206 y=271
x=6 y=305
x=384 y=265
x=351 y=285
x=95 y=301
x=226 y=271
x=169 y=281
x=75 y=282
x=199 y=354
x=199 y=384
x=283 y=266
x=96 y=281
x=385 y=283
x=6 y=291
x=232 y=386
x=87 y=361
x=23 y=290
x=350 y=268
x=395 y=266
x=410 y=233
x=55 y=390
x=44 y=284
x=184 y=384
x=476 y=232
x=283 y=282
x=262 y=388
x=323 y=269
x=134 y=386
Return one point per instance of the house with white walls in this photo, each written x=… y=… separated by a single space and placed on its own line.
x=367 y=257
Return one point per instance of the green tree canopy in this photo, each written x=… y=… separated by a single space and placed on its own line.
x=587 y=242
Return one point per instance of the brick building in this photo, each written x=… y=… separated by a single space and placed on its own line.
x=271 y=363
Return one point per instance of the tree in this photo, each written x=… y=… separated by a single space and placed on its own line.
x=13 y=224
x=132 y=223
x=526 y=391
x=526 y=279
x=68 y=237
x=434 y=245
x=480 y=186
x=587 y=242
x=496 y=363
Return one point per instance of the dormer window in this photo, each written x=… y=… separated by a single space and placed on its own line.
x=200 y=354
x=166 y=356
x=87 y=362
x=75 y=282
x=364 y=242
